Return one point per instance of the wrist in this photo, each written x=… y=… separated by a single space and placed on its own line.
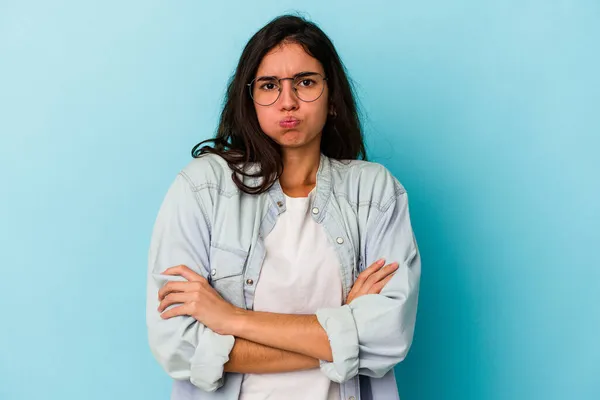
x=239 y=321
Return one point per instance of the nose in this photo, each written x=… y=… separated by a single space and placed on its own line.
x=288 y=99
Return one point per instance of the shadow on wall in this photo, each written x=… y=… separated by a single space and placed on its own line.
x=448 y=358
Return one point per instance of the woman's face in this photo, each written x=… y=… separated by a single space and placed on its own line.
x=286 y=61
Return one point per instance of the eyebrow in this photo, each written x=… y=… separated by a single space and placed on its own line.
x=298 y=75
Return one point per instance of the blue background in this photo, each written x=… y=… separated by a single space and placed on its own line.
x=488 y=113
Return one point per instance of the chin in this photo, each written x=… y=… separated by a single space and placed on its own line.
x=294 y=138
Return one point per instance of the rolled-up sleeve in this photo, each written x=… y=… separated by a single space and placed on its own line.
x=184 y=348
x=374 y=332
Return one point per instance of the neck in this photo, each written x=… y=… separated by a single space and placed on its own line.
x=300 y=168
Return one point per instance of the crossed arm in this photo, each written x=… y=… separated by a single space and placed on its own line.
x=265 y=342
x=248 y=357
x=368 y=334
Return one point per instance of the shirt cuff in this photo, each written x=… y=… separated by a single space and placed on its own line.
x=341 y=330
x=207 y=363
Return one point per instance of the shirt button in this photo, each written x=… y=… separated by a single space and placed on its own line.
x=351 y=398
x=315 y=210
x=213 y=272
x=340 y=240
x=280 y=203
x=249 y=282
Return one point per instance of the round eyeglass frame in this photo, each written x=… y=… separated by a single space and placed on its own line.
x=293 y=89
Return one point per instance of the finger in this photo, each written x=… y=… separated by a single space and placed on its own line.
x=378 y=287
x=362 y=277
x=353 y=290
x=172 y=287
x=184 y=309
x=184 y=271
x=173 y=298
x=382 y=273
x=351 y=297
x=374 y=267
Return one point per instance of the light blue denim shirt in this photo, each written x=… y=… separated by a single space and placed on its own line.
x=208 y=224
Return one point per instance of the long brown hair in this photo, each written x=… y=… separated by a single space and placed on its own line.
x=240 y=140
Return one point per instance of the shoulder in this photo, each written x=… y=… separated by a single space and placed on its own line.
x=205 y=165
x=209 y=171
x=366 y=182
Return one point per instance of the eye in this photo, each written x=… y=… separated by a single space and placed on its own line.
x=268 y=86
x=306 y=83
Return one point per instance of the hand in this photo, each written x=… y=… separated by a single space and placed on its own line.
x=372 y=279
x=198 y=299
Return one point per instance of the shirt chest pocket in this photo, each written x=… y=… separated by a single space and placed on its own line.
x=226 y=272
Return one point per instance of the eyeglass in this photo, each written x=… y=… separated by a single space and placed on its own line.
x=308 y=87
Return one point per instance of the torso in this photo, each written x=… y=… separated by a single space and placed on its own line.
x=299 y=275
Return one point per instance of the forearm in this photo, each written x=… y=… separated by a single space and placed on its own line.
x=248 y=357
x=296 y=333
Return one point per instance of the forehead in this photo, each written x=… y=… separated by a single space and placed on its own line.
x=288 y=59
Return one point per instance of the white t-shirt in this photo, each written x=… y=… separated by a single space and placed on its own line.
x=300 y=274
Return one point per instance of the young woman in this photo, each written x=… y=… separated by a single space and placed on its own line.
x=282 y=264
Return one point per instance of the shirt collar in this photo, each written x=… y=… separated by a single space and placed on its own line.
x=321 y=197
